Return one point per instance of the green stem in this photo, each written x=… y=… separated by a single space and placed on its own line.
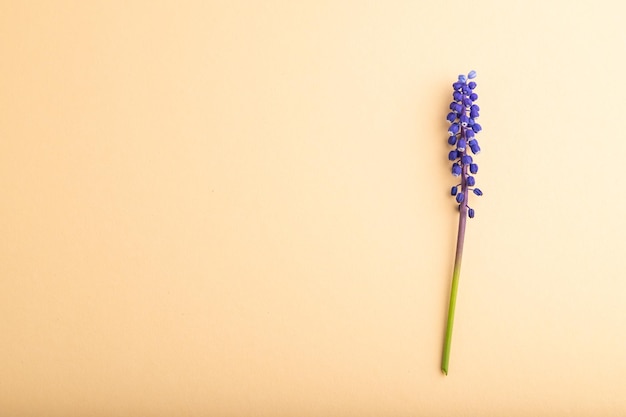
x=445 y=360
x=448 y=340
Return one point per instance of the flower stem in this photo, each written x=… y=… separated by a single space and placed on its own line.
x=445 y=360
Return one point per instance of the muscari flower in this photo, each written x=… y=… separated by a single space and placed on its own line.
x=462 y=136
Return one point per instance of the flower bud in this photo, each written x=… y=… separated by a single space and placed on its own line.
x=453 y=129
x=456 y=170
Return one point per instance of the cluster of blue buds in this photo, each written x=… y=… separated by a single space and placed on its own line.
x=462 y=131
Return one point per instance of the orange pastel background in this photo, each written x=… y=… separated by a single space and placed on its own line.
x=238 y=208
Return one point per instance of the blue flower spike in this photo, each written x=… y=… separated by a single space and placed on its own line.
x=462 y=137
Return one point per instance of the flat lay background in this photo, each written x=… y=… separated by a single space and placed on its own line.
x=237 y=208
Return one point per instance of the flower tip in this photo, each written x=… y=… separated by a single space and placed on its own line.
x=462 y=78
x=471 y=75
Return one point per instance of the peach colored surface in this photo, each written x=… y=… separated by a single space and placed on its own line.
x=240 y=208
